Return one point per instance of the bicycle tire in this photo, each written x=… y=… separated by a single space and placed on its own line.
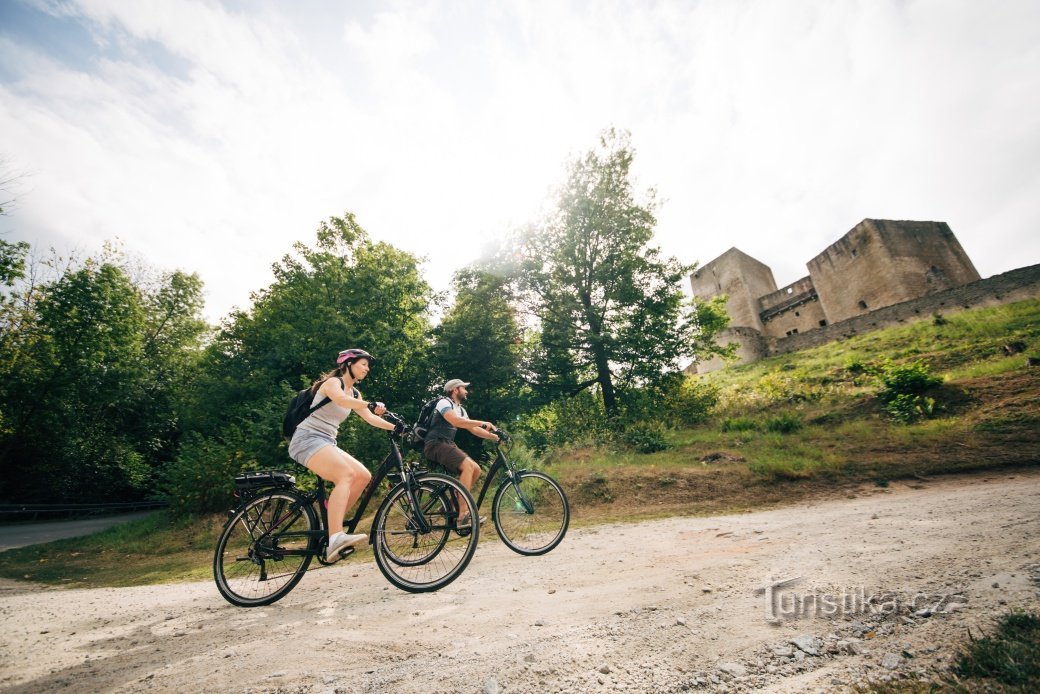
x=420 y=562
x=537 y=526
x=265 y=548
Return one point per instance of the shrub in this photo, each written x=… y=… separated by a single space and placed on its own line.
x=574 y=421
x=690 y=403
x=645 y=437
x=904 y=388
x=737 y=424
x=784 y=424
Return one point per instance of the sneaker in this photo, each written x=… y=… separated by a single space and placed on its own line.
x=340 y=542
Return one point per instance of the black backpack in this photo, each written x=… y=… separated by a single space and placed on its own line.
x=417 y=436
x=300 y=409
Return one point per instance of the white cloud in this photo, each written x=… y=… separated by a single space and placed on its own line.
x=211 y=139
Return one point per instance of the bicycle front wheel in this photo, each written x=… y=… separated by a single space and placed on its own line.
x=418 y=546
x=531 y=513
x=265 y=548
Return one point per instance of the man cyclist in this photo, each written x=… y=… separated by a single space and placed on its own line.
x=449 y=416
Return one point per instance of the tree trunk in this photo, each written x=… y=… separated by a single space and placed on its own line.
x=599 y=356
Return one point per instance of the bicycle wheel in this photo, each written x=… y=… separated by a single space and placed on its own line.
x=531 y=513
x=265 y=548
x=418 y=559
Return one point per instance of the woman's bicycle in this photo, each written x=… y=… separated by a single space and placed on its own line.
x=269 y=541
x=530 y=509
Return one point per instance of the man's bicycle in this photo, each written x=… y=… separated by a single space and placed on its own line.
x=530 y=509
x=270 y=539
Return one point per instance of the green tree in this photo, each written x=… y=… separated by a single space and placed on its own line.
x=610 y=308
x=72 y=401
x=90 y=364
x=345 y=291
x=479 y=341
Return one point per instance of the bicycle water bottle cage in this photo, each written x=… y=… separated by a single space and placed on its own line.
x=249 y=483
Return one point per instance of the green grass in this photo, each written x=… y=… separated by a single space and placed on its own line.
x=1007 y=662
x=158 y=549
x=1009 y=658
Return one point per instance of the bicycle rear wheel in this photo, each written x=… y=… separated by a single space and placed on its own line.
x=265 y=548
x=418 y=559
x=531 y=513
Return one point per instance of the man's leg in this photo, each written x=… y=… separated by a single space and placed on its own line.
x=469 y=472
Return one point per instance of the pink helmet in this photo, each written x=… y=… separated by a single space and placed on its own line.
x=349 y=356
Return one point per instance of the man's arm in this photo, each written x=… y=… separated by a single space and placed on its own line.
x=473 y=426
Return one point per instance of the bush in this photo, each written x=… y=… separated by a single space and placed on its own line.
x=903 y=391
x=645 y=437
x=575 y=421
x=201 y=477
x=784 y=424
x=737 y=424
x=690 y=403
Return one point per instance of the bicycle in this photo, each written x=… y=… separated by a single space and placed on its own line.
x=530 y=509
x=269 y=540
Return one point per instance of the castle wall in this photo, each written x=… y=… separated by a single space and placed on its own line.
x=880 y=263
x=742 y=278
x=751 y=346
x=1016 y=285
x=791 y=309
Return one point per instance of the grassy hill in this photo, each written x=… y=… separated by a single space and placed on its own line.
x=812 y=423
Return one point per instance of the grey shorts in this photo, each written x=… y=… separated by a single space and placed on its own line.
x=306 y=443
x=445 y=454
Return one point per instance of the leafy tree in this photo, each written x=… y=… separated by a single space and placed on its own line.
x=66 y=429
x=479 y=341
x=345 y=291
x=12 y=261
x=610 y=307
x=88 y=371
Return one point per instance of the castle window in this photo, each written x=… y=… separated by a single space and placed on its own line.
x=823 y=323
x=863 y=304
x=854 y=252
x=796 y=313
x=790 y=290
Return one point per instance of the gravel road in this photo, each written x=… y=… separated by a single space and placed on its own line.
x=813 y=597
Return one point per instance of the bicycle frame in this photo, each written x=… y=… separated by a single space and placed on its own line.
x=393 y=461
x=502 y=463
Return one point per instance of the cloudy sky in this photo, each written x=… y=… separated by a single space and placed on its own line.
x=209 y=136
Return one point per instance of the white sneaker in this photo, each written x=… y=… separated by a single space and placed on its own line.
x=340 y=542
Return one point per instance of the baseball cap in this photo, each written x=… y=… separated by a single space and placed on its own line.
x=453 y=384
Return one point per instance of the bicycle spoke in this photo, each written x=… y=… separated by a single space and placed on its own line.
x=531 y=513
x=265 y=549
x=420 y=561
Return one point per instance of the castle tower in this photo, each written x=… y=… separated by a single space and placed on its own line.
x=881 y=262
x=742 y=278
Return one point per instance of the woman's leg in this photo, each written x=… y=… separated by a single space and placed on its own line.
x=348 y=475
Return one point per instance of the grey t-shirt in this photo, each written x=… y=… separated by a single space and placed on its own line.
x=440 y=428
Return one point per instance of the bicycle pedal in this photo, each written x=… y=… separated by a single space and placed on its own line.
x=346 y=552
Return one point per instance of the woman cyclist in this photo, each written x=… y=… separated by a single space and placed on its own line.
x=313 y=444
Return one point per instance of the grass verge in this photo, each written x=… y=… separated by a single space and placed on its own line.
x=1007 y=662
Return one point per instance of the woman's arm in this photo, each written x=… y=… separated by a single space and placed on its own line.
x=338 y=394
x=376 y=421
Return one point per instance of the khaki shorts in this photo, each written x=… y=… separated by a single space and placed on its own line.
x=445 y=454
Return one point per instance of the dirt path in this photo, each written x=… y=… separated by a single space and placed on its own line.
x=660 y=606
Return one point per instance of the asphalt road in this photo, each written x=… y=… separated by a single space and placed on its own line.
x=23 y=535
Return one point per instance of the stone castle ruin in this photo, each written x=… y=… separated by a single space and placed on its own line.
x=880 y=273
